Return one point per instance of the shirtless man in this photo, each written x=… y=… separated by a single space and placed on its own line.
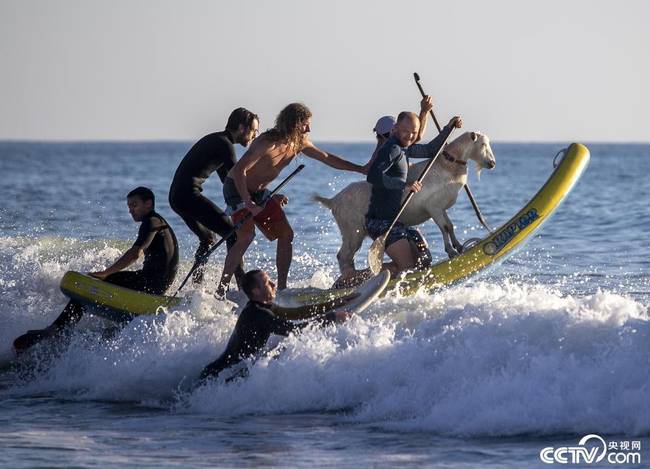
x=245 y=186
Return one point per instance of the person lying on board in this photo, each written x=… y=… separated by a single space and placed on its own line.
x=257 y=322
x=156 y=241
x=214 y=152
x=388 y=174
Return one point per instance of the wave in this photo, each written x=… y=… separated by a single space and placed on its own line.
x=489 y=358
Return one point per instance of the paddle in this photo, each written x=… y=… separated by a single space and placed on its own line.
x=204 y=258
x=376 y=251
x=469 y=192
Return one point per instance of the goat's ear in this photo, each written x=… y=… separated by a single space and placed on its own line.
x=473 y=136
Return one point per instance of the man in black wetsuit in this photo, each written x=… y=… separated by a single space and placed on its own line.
x=156 y=241
x=257 y=322
x=214 y=152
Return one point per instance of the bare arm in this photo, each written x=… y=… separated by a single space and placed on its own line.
x=134 y=252
x=238 y=172
x=425 y=106
x=128 y=258
x=332 y=160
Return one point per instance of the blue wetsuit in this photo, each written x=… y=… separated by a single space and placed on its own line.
x=388 y=176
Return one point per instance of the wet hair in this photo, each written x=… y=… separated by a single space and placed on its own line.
x=250 y=281
x=144 y=194
x=240 y=116
x=288 y=123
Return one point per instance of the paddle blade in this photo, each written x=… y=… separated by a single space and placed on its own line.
x=376 y=255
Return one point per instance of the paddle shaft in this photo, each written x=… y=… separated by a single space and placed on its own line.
x=417 y=82
x=411 y=193
x=234 y=229
x=466 y=186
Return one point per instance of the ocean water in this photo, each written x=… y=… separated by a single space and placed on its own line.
x=548 y=347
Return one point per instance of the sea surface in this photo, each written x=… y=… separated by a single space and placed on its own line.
x=550 y=346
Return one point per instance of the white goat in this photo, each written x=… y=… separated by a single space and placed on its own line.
x=439 y=191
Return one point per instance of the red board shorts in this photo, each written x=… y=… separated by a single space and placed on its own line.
x=269 y=221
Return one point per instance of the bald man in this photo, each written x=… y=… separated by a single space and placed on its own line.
x=388 y=175
x=385 y=124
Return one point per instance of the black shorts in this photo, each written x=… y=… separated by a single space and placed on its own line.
x=376 y=228
x=234 y=200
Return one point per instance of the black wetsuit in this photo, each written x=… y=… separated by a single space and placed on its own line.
x=157 y=273
x=214 y=152
x=255 y=325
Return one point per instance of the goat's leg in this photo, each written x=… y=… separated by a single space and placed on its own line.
x=452 y=234
x=351 y=244
x=440 y=218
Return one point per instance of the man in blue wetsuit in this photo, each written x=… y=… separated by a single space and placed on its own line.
x=214 y=152
x=156 y=242
x=388 y=175
x=257 y=322
x=385 y=124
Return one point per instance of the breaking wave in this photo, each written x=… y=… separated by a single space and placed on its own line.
x=485 y=358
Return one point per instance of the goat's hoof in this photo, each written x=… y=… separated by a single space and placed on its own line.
x=452 y=253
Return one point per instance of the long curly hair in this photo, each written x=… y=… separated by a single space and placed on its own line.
x=288 y=125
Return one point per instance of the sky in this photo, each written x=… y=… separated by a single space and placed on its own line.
x=173 y=70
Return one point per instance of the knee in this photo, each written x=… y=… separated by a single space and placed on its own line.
x=407 y=264
x=245 y=239
x=286 y=234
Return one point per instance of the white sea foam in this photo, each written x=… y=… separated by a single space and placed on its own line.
x=479 y=359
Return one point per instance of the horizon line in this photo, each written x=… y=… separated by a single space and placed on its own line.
x=325 y=141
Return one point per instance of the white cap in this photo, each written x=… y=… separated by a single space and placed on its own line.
x=384 y=124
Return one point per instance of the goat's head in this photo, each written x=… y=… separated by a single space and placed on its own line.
x=480 y=152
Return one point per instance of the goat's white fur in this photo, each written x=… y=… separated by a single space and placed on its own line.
x=439 y=191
